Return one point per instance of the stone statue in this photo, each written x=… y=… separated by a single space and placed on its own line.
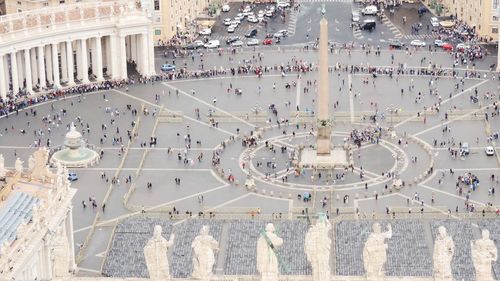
x=317 y=248
x=18 y=165
x=31 y=163
x=38 y=164
x=375 y=252
x=60 y=253
x=484 y=252
x=443 y=254
x=155 y=253
x=204 y=246
x=2 y=166
x=267 y=256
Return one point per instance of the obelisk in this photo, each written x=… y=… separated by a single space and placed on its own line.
x=324 y=122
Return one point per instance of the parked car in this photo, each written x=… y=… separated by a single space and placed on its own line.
x=439 y=43
x=227 y=22
x=205 y=31
x=251 y=33
x=417 y=43
x=72 y=176
x=237 y=43
x=434 y=22
x=212 y=44
x=369 y=10
x=252 y=19
x=232 y=39
x=461 y=47
x=465 y=148
x=489 y=150
x=447 y=47
x=269 y=35
x=368 y=25
x=253 y=42
x=198 y=43
x=267 y=42
x=231 y=28
x=269 y=14
x=396 y=44
x=226 y=8
x=168 y=67
x=238 y=91
x=284 y=4
x=355 y=17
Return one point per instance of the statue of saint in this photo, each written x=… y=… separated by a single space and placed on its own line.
x=155 y=253
x=317 y=248
x=18 y=165
x=60 y=253
x=484 y=252
x=31 y=163
x=267 y=259
x=2 y=166
x=375 y=252
x=443 y=254
x=203 y=246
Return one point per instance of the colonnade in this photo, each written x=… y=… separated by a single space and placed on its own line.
x=74 y=61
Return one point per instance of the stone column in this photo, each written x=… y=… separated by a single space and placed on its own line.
x=20 y=69
x=113 y=47
x=134 y=41
x=55 y=65
x=13 y=69
x=98 y=59
x=85 y=62
x=324 y=129
x=3 y=87
x=27 y=71
x=64 y=62
x=34 y=68
x=123 y=57
x=6 y=69
x=144 y=54
x=41 y=66
x=151 y=53
x=79 y=72
x=48 y=63
x=70 y=66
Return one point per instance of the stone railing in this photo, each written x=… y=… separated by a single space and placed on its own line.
x=65 y=14
x=254 y=278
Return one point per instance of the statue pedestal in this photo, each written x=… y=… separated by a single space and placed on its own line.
x=338 y=158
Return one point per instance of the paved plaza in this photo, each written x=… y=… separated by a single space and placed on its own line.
x=200 y=162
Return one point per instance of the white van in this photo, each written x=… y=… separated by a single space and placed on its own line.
x=226 y=8
x=369 y=10
x=212 y=44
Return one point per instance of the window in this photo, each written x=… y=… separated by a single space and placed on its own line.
x=494 y=30
x=62 y=1
x=19 y=3
x=157 y=31
x=494 y=4
x=157 y=5
x=494 y=18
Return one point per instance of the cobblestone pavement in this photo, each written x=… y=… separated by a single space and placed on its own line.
x=426 y=135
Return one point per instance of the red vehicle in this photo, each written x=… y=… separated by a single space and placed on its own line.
x=447 y=47
x=267 y=42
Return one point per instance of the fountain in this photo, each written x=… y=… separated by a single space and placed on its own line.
x=75 y=154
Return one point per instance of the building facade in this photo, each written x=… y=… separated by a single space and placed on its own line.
x=18 y=6
x=73 y=44
x=172 y=17
x=36 y=241
x=482 y=14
